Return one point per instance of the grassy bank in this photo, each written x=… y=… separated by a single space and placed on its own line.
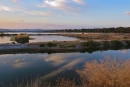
x=117 y=44
x=65 y=46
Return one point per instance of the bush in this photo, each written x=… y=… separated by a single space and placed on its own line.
x=106 y=73
x=117 y=44
x=83 y=44
x=13 y=42
x=106 y=44
x=125 y=37
x=72 y=45
x=128 y=43
x=50 y=44
x=42 y=45
x=22 y=38
x=97 y=44
x=61 y=46
x=90 y=44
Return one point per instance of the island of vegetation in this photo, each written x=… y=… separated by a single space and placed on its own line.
x=22 y=38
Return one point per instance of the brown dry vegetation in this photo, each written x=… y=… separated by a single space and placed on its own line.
x=100 y=36
x=106 y=73
x=59 y=83
x=22 y=36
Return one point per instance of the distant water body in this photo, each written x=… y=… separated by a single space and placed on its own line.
x=43 y=38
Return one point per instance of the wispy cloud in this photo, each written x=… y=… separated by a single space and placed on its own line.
x=15 y=0
x=64 y=61
x=27 y=24
x=79 y=2
x=23 y=10
x=127 y=13
x=64 y=5
x=5 y=8
x=22 y=20
x=69 y=65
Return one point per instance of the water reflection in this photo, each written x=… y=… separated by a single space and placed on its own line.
x=5 y=39
x=63 y=62
x=49 y=66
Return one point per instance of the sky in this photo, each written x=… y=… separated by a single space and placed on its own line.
x=64 y=14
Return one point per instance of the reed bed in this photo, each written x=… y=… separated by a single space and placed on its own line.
x=106 y=73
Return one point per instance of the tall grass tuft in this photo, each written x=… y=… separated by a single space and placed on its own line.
x=106 y=73
x=65 y=83
x=61 y=82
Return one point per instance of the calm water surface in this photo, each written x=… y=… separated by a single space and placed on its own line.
x=49 y=66
x=43 y=33
x=5 y=39
x=43 y=38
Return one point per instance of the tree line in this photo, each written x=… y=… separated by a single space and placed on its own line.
x=97 y=30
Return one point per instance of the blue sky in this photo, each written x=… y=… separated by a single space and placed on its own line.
x=62 y=14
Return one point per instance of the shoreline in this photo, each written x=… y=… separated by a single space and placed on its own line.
x=85 y=36
x=50 y=51
x=58 y=46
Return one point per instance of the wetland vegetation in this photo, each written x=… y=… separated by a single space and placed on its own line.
x=91 y=68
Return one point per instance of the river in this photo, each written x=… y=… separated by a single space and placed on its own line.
x=48 y=67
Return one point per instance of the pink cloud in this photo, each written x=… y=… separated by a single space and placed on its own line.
x=23 y=25
x=15 y=0
x=63 y=5
x=127 y=13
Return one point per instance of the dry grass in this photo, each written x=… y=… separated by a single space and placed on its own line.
x=62 y=82
x=20 y=36
x=66 y=83
x=106 y=73
x=100 y=36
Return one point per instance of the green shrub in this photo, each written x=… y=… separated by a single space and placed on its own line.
x=72 y=45
x=106 y=44
x=61 y=46
x=90 y=44
x=83 y=44
x=116 y=43
x=13 y=42
x=97 y=43
x=128 y=43
x=50 y=44
x=42 y=45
